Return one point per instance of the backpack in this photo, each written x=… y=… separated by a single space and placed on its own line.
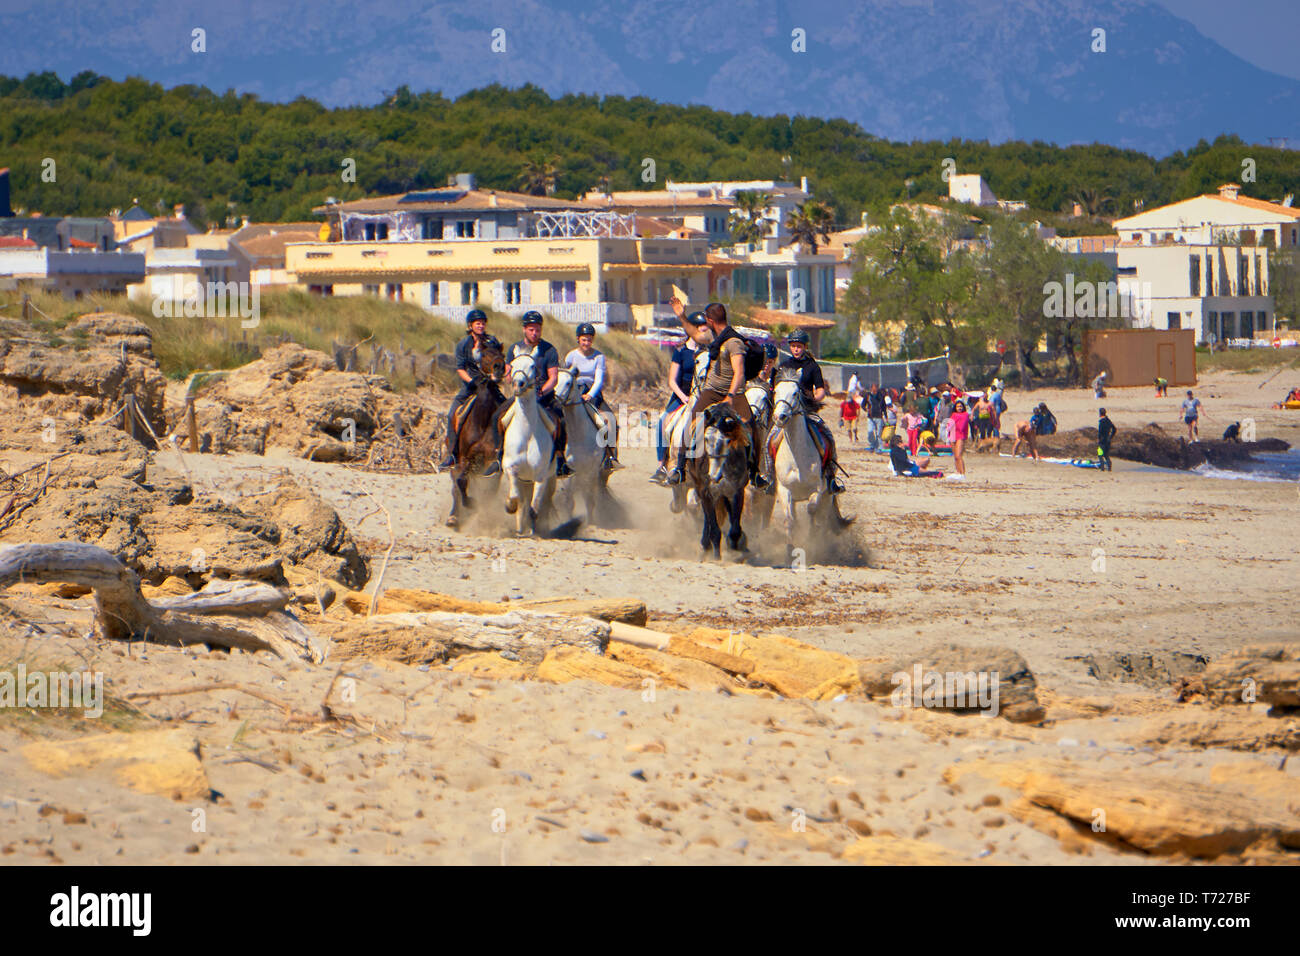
x=754 y=355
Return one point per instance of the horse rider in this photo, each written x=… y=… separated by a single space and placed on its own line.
x=725 y=382
x=469 y=352
x=588 y=365
x=803 y=368
x=681 y=379
x=546 y=365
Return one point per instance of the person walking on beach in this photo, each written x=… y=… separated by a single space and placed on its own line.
x=1098 y=386
x=1105 y=432
x=960 y=430
x=875 y=407
x=849 y=415
x=1191 y=415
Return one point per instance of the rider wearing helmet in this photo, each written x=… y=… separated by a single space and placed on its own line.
x=803 y=368
x=469 y=352
x=681 y=379
x=588 y=365
x=546 y=362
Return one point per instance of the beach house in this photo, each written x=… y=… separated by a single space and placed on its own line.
x=1205 y=262
x=458 y=248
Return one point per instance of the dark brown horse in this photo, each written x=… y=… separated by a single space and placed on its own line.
x=477 y=437
x=719 y=477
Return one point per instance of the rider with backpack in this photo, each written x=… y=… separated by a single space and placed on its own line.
x=733 y=360
x=803 y=368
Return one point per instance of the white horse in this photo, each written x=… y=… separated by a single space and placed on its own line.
x=678 y=435
x=798 y=463
x=585 y=451
x=528 y=456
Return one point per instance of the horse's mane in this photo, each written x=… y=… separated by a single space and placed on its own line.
x=790 y=375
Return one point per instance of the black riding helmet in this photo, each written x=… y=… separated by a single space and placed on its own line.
x=586 y=328
x=800 y=336
x=474 y=315
x=769 y=351
x=694 y=318
x=531 y=317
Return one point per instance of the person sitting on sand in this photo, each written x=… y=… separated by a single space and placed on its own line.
x=1025 y=433
x=904 y=466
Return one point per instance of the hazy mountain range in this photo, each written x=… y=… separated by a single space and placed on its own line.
x=902 y=69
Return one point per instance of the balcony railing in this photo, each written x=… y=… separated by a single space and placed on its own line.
x=603 y=315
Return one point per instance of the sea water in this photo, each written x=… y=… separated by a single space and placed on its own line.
x=1267 y=466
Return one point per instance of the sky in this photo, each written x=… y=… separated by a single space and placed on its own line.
x=1243 y=27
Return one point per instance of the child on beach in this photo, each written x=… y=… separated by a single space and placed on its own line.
x=849 y=410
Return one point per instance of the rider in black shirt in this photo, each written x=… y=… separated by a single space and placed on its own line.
x=813 y=385
x=469 y=351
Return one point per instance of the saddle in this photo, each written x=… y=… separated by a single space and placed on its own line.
x=462 y=414
x=549 y=420
x=817 y=431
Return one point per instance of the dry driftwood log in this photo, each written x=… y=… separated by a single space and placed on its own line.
x=394 y=600
x=421 y=637
x=246 y=614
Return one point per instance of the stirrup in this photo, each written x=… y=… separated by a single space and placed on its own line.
x=493 y=468
x=675 y=477
x=562 y=469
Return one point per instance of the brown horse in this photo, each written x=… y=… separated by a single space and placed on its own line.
x=719 y=477
x=477 y=437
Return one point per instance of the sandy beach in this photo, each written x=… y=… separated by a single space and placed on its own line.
x=1111 y=587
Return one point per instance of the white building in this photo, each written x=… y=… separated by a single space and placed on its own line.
x=1203 y=263
x=971 y=188
x=72 y=274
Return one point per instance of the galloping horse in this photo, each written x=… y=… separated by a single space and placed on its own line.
x=475 y=441
x=681 y=435
x=798 y=462
x=719 y=477
x=528 y=459
x=585 y=453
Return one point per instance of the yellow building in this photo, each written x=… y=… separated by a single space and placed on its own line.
x=462 y=248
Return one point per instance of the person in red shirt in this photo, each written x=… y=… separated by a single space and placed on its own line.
x=849 y=410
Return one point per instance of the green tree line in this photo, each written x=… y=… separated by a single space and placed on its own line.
x=228 y=155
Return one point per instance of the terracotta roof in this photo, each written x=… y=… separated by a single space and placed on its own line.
x=16 y=242
x=267 y=240
x=81 y=243
x=767 y=318
x=1260 y=204
x=651 y=228
x=657 y=197
x=466 y=199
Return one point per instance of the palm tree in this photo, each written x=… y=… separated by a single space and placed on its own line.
x=808 y=223
x=539 y=176
x=748 y=221
x=1093 y=202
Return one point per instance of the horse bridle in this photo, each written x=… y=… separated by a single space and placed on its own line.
x=796 y=404
x=531 y=381
x=571 y=392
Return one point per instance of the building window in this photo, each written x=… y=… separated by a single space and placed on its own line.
x=433 y=293
x=1174 y=320
x=1212 y=326
x=1227 y=325
x=1248 y=325
x=564 y=290
x=394 y=291
x=469 y=293
x=464 y=228
x=321 y=289
x=1194 y=275
x=370 y=289
x=1261 y=319
x=514 y=293
x=1242 y=285
x=376 y=231
x=431 y=229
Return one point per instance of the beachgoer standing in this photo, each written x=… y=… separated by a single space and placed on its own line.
x=1191 y=414
x=960 y=427
x=1105 y=432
